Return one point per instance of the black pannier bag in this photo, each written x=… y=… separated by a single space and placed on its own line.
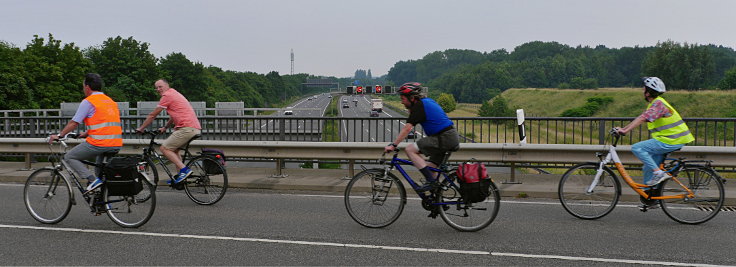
x=474 y=181
x=122 y=177
x=209 y=166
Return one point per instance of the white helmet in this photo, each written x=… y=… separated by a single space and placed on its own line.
x=655 y=84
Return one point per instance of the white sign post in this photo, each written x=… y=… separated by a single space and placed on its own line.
x=520 y=123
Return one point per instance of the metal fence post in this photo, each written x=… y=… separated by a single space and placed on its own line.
x=282 y=129
x=601 y=132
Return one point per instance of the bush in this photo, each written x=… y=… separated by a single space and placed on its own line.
x=591 y=107
x=447 y=102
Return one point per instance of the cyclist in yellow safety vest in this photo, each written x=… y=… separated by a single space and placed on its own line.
x=669 y=132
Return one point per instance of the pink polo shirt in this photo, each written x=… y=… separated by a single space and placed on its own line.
x=179 y=109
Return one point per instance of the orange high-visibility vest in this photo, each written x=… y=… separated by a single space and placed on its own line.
x=104 y=126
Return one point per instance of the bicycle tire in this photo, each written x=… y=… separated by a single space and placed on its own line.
x=151 y=173
x=588 y=206
x=375 y=200
x=131 y=211
x=707 y=186
x=151 y=170
x=202 y=187
x=47 y=196
x=468 y=217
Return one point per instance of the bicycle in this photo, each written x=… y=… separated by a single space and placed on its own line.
x=693 y=195
x=48 y=194
x=379 y=193
x=205 y=186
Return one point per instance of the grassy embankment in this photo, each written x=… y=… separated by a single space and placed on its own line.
x=627 y=102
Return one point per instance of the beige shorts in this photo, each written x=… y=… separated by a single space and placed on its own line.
x=179 y=138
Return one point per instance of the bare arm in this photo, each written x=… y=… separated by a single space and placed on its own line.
x=402 y=135
x=70 y=126
x=150 y=119
x=633 y=124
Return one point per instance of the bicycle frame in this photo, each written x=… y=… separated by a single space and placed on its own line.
x=69 y=174
x=396 y=164
x=150 y=152
x=612 y=156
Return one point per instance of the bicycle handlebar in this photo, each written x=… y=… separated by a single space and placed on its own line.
x=382 y=160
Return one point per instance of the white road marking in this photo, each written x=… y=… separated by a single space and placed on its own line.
x=349 y=245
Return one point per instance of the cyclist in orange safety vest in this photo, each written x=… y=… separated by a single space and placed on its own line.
x=104 y=132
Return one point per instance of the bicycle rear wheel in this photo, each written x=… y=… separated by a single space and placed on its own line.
x=468 y=217
x=373 y=199
x=577 y=201
x=149 y=172
x=208 y=182
x=131 y=211
x=47 y=196
x=709 y=195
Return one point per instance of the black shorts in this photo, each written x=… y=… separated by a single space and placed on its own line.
x=435 y=146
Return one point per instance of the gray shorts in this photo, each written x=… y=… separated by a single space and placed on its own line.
x=179 y=138
x=435 y=146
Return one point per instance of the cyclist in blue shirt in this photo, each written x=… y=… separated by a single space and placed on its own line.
x=441 y=135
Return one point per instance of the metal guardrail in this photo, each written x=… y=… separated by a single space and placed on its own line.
x=539 y=130
x=496 y=152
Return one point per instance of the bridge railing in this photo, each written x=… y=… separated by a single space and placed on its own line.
x=539 y=130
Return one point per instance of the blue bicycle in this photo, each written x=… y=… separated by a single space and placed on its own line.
x=375 y=198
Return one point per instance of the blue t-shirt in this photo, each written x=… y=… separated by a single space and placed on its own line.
x=430 y=115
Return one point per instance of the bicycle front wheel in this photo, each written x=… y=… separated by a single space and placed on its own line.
x=373 y=199
x=131 y=211
x=707 y=188
x=574 y=195
x=468 y=217
x=47 y=196
x=208 y=182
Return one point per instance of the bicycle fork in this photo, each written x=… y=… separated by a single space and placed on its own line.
x=598 y=174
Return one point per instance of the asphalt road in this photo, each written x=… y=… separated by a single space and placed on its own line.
x=271 y=228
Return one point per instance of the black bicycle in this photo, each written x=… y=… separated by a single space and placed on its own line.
x=207 y=183
x=48 y=194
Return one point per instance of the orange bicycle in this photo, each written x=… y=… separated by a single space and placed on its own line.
x=693 y=195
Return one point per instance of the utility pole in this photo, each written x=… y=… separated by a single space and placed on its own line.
x=292 y=61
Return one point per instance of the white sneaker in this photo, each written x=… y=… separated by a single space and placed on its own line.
x=658 y=179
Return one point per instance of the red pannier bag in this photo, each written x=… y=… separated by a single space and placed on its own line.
x=474 y=181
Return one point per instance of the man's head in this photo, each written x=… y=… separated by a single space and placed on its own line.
x=161 y=86
x=92 y=83
x=653 y=87
x=410 y=92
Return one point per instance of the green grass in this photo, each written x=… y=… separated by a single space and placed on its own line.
x=627 y=102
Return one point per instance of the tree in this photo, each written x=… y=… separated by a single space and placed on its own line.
x=127 y=67
x=187 y=77
x=53 y=72
x=14 y=91
x=498 y=107
x=447 y=102
x=681 y=66
x=729 y=80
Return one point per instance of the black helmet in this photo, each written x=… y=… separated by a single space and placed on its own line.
x=410 y=89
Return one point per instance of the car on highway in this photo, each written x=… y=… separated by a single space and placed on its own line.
x=289 y=111
x=374 y=113
x=345 y=105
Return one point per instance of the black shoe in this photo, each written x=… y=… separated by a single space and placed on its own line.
x=427 y=187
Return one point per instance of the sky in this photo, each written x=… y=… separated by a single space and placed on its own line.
x=337 y=37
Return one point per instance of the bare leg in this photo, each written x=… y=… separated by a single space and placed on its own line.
x=173 y=156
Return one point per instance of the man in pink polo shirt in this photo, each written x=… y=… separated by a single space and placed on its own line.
x=186 y=125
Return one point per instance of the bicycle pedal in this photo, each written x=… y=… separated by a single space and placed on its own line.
x=432 y=215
